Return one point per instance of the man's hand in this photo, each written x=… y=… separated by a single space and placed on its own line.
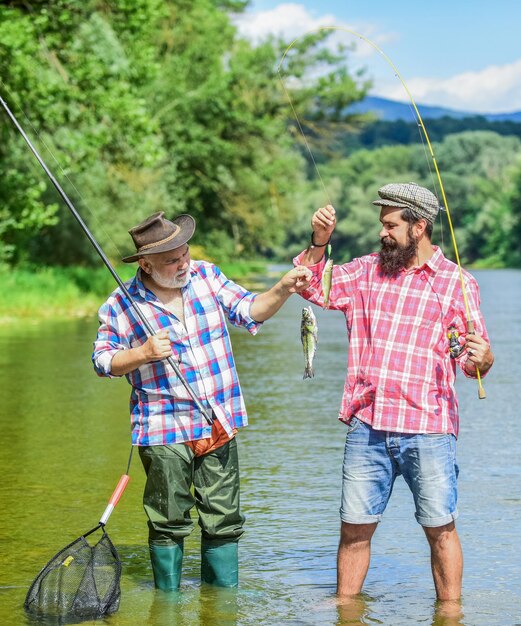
x=268 y=303
x=157 y=347
x=323 y=224
x=297 y=279
x=480 y=354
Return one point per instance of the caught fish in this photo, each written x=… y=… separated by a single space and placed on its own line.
x=309 y=338
x=326 y=281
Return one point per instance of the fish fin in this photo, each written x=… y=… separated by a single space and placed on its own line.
x=308 y=373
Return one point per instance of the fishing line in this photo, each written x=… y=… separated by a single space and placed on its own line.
x=469 y=322
x=434 y=181
x=297 y=119
x=431 y=173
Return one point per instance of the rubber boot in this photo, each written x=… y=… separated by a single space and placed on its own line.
x=167 y=561
x=220 y=563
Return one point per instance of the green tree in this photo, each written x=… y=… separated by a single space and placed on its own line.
x=480 y=174
x=151 y=105
x=477 y=172
x=512 y=240
x=73 y=83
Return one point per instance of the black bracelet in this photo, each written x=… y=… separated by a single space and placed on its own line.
x=319 y=245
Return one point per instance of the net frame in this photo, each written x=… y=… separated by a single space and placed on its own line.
x=80 y=582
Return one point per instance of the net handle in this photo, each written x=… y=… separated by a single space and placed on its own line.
x=114 y=498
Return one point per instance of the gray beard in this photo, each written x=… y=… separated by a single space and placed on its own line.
x=169 y=283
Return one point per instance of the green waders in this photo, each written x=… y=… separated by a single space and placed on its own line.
x=167 y=562
x=220 y=563
x=171 y=473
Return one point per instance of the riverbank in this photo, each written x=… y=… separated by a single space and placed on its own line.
x=72 y=292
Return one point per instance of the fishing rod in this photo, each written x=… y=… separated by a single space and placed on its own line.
x=104 y=258
x=469 y=322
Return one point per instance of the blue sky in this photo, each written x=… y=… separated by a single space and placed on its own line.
x=464 y=54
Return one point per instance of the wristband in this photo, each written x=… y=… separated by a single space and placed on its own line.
x=318 y=245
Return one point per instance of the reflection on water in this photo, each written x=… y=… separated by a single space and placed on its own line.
x=448 y=613
x=66 y=442
x=354 y=611
x=198 y=606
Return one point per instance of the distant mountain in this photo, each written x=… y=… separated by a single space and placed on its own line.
x=392 y=110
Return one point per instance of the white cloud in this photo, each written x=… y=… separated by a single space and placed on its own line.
x=495 y=89
x=290 y=20
x=285 y=20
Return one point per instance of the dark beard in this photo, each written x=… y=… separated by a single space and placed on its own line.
x=394 y=257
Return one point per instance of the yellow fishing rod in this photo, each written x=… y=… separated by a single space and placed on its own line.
x=469 y=322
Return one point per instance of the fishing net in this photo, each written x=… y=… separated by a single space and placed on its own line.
x=81 y=582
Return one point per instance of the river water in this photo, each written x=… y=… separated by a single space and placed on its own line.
x=66 y=442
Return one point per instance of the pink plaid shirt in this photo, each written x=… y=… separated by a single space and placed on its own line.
x=400 y=375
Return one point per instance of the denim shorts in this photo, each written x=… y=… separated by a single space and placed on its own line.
x=374 y=458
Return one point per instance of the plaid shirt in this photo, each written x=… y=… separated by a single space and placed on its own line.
x=400 y=376
x=161 y=409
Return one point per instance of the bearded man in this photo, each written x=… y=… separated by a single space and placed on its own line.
x=399 y=401
x=188 y=462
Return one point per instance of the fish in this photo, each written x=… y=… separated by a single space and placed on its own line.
x=326 y=281
x=309 y=338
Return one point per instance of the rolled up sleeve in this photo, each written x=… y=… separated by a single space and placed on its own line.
x=314 y=291
x=109 y=341
x=236 y=301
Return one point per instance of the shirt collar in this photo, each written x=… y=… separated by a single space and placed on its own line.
x=433 y=264
x=136 y=287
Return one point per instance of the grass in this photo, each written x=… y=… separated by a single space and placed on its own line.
x=66 y=292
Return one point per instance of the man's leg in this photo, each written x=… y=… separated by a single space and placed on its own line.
x=167 y=501
x=429 y=466
x=354 y=555
x=446 y=561
x=217 y=493
x=368 y=476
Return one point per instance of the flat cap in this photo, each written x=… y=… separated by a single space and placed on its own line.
x=420 y=200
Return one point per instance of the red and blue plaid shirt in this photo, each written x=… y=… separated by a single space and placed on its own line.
x=400 y=375
x=162 y=411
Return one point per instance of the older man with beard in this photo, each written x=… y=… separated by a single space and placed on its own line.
x=399 y=401
x=187 y=461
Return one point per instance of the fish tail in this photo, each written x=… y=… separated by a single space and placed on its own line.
x=308 y=372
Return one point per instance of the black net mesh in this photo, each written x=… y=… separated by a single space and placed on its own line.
x=81 y=582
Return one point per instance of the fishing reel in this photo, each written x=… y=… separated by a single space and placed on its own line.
x=455 y=347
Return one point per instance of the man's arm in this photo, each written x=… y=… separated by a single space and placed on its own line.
x=268 y=303
x=323 y=224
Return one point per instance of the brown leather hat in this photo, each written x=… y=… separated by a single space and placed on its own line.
x=157 y=234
